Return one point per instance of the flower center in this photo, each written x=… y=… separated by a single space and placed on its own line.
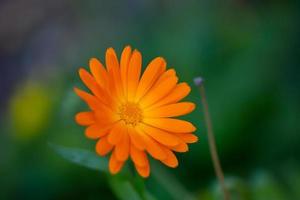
x=130 y=113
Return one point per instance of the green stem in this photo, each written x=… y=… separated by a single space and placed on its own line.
x=211 y=139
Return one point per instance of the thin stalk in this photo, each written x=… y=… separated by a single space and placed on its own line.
x=211 y=139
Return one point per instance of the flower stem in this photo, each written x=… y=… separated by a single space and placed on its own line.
x=211 y=139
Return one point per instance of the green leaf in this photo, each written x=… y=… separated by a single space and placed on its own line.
x=264 y=186
x=170 y=184
x=148 y=196
x=120 y=184
x=123 y=189
x=81 y=157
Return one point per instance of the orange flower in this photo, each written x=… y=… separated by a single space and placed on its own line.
x=132 y=115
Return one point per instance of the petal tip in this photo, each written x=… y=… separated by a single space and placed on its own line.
x=127 y=47
x=76 y=90
x=93 y=60
x=76 y=118
x=136 y=52
x=145 y=175
x=192 y=127
x=193 y=106
x=196 y=139
x=110 y=51
x=81 y=71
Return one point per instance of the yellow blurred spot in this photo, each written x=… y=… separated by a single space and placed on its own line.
x=30 y=109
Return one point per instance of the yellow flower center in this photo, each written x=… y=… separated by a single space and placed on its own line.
x=130 y=113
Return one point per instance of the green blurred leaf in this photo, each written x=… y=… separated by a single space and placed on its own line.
x=121 y=184
x=236 y=186
x=123 y=189
x=264 y=186
x=81 y=157
x=292 y=175
x=170 y=184
x=148 y=196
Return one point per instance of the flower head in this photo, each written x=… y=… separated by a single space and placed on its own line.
x=132 y=115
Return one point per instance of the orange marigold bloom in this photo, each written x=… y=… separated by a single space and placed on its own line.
x=132 y=115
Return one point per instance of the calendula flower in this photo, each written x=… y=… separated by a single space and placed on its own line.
x=132 y=115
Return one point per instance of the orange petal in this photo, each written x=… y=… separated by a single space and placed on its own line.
x=117 y=132
x=170 y=160
x=167 y=74
x=160 y=136
x=122 y=148
x=171 y=110
x=143 y=171
x=91 y=100
x=138 y=157
x=103 y=147
x=95 y=131
x=125 y=58
x=179 y=92
x=118 y=84
x=181 y=147
x=85 y=118
x=90 y=82
x=163 y=69
x=152 y=147
x=111 y=60
x=106 y=117
x=158 y=92
x=187 y=137
x=133 y=76
x=114 y=165
x=171 y=125
x=150 y=75
x=99 y=72
x=112 y=65
x=136 y=138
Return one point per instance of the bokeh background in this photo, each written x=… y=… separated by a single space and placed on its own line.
x=247 y=51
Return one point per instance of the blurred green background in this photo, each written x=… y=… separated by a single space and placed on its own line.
x=246 y=50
